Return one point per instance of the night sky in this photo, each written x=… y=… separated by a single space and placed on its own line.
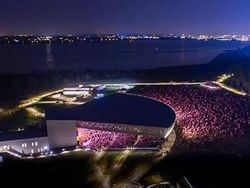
x=124 y=16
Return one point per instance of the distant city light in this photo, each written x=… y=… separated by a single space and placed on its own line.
x=46 y=148
x=24 y=39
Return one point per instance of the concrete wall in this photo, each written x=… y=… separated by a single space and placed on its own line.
x=26 y=146
x=61 y=133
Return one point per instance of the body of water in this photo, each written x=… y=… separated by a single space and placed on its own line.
x=111 y=55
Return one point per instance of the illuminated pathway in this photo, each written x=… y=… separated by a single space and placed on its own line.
x=230 y=89
x=60 y=102
x=222 y=79
x=29 y=102
x=34 y=112
x=35 y=100
x=218 y=82
x=154 y=83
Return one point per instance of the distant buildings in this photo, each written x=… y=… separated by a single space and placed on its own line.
x=23 y=39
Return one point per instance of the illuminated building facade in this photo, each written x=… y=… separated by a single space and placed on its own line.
x=119 y=113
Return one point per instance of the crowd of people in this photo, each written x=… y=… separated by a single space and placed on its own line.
x=94 y=139
x=97 y=139
x=149 y=141
x=203 y=114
